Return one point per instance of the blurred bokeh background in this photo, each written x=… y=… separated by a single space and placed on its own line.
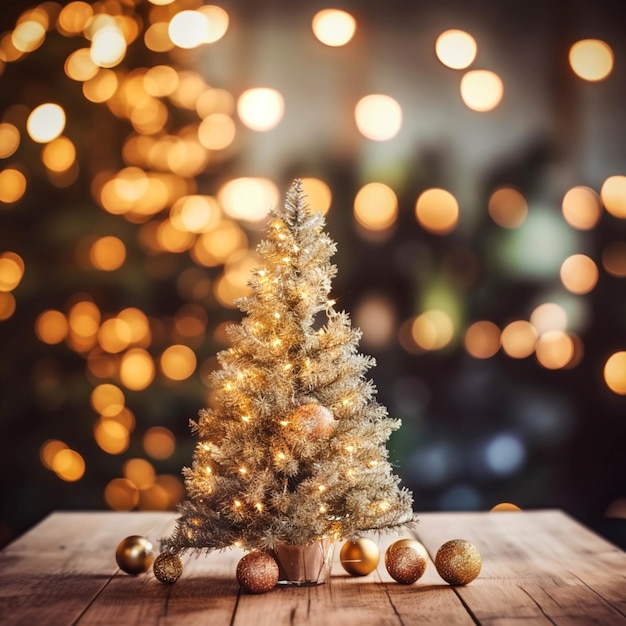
x=470 y=158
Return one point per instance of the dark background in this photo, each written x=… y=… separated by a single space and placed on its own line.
x=560 y=435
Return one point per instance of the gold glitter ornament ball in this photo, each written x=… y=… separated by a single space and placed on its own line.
x=458 y=562
x=314 y=419
x=134 y=554
x=167 y=568
x=411 y=543
x=404 y=562
x=257 y=572
x=359 y=557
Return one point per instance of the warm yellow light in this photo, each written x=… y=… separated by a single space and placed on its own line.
x=111 y=436
x=139 y=326
x=159 y=442
x=437 y=211
x=482 y=339
x=433 y=330
x=376 y=206
x=613 y=194
x=615 y=372
x=507 y=207
x=7 y=305
x=318 y=194
x=554 y=349
x=101 y=87
x=80 y=66
x=456 y=49
x=46 y=122
x=237 y=503
x=481 y=90
x=157 y=38
x=519 y=339
x=261 y=108
x=68 y=465
x=581 y=208
x=378 y=117
x=74 y=17
x=107 y=400
x=505 y=506
x=579 y=274
x=140 y=472
x=548 y=316
x=84 y=320
x=49 y=449
x=12 y=185
x=9 y=141
x=591 y=59
x=28 y=36
x=137 y=369
x=114 y=335
x=121 y=495
x=248 y=199
x=51 y=326
x=108 y=46
x=217 y=21
x=11 y=271
x=107 y=253
x=189 y=29
x=216 y=131
x=178 y=362
x=59 y=155
x=333 y=27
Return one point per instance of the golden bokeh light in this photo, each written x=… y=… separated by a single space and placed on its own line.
x=121 y=495
x=615 y=373
x=139 y=325
x=159 y=442
x=111 y=436
x=46 y=122
x=248 y=199
x=68 y=465
x=137 y=369
x=614 y=259
x=74 y=17
x=548 y=316
x=217 y=21
x=376 y=206
x=7 y=305
x=139 y=472
x=107 y=253
x=84 y=319
x=178 y=362
x=591 y=59
x=49 y=449
x=456 y=49
x=261 y=108
x=214 y=247
x=581 y=208
x=114 y=335
x=80 y=66
x=481 y=90
x=482 y=339
x=505 y=507
x=191 y=321
x=11 y=271
x=333 y=27
x=51 y=327
x=579 y=274
x=378 y=117
x=376 y=317
x=437 y=211
x=519 y=339
x=59 y=155
x=217 y=131
x=172 y=239
x=318 y=194
x=160 y=81
x=189 y=29
x=213 y=100
x=157 y=37
x=613 y=194
x=12 y=185
x=101 y=87
x=432 y=330
x=554 y=349
x=507 y=207
x=28 y=35
x=195 y=214
x=107 y=400
x=108 y=46
x=9 y=141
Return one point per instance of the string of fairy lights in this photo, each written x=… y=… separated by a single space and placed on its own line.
x=180 y=127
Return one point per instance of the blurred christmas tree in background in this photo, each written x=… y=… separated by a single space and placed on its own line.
x=473 y=179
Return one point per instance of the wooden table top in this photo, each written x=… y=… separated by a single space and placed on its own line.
x=539 y=567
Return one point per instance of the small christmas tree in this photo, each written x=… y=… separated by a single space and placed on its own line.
x=295 y=451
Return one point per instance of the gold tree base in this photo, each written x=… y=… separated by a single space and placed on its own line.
x=304 y=565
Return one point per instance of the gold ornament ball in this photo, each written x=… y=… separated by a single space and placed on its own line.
x=359 y=557
x=134 y=555
x=411 y=543
x=315 y=419
x=405 y=563
x=167 y=568
x=257 y=572
x=458 y=562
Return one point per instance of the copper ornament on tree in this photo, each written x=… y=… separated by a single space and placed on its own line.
x=359 y=557
x=167 y=568
x=134 y=554
x=458 y=562
x=257 y=572
x=405 y=562
x=314 y=419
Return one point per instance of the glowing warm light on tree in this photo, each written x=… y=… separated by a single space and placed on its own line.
x=376 y=206
x=579 y=273
x=591 y=59
x=481 y=90
x=378 y=117
x=581 y=208
x=482 y=339
x=46 y=122
x=437 y=211
x=261 y=108
x=507 y=207
x=456 y=49
x=333 y=27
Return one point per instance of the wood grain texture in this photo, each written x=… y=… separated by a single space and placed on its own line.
x=539 y=567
